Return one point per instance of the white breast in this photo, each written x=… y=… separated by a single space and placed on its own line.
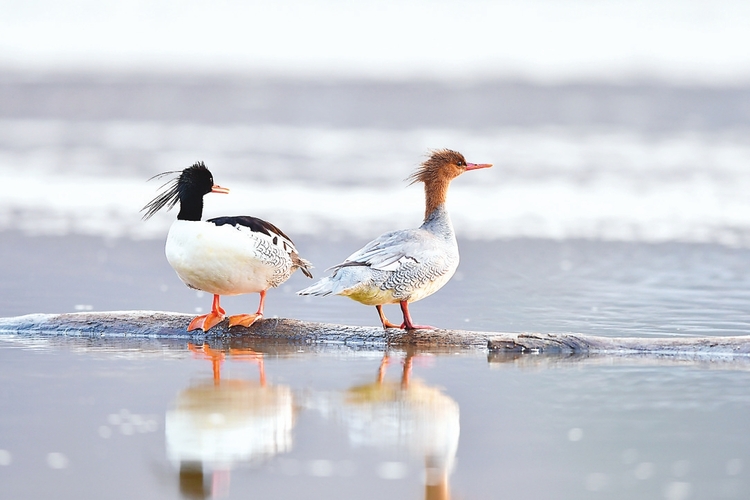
x=224 y=260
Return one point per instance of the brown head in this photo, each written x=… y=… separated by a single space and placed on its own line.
x=437 y=172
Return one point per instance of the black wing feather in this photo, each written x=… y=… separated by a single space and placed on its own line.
x=260 y=226
x=252 y=223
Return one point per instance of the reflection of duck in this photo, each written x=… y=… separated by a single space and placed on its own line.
x=218 y=424
x=407 y=415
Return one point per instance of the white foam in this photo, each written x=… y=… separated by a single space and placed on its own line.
x=548 y=183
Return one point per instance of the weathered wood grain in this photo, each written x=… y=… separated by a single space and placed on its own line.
x=165 y=325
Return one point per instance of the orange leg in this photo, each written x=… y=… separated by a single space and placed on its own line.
x=406 y=374
x=216 y=357
x=249 y=319
x=210 y=320
x=408 y=324
x=386 y=324
x=383 y=365
x=250 y=355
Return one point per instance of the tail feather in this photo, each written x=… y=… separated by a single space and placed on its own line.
x=321 y=288
x=342 y=282
x=303 y=264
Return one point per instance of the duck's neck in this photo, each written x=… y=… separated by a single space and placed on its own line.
x=436 y=219
x=435 y=194
x=191 y=207
x=439 y=223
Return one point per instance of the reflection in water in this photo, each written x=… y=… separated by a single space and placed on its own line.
x=406 y=415
x=218 y=424
x=617 y=427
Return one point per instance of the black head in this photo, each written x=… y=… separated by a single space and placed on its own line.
x=189 y=188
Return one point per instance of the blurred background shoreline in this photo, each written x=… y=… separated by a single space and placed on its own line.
x=645 y=162
x=606 y=121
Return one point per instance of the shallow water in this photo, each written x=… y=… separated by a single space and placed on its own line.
x=597 y=288
x=119 y=419
x=149 y=420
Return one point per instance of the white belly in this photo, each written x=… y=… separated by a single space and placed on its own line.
x=218 y=259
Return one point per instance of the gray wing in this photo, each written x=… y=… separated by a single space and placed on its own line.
x=392 y=250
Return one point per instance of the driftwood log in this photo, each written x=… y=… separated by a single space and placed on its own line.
x=289 y=332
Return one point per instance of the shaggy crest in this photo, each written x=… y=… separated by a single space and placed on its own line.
x=432 y=168
x=171 y=195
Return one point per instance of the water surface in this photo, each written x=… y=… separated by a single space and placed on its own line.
x=597 y=288
x=153 y=420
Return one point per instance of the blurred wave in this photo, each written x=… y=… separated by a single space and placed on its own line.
x=638 y=163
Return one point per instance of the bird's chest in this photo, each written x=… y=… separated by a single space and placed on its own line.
x=222 y=259
x=417 y=279
x=432 y=279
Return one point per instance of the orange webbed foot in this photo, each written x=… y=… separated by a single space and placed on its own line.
x=419 y=327
x=245 y=320
x=205 y=322
x=404 y=326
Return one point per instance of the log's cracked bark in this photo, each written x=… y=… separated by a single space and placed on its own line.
x=164 y=325
x=576 y=343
